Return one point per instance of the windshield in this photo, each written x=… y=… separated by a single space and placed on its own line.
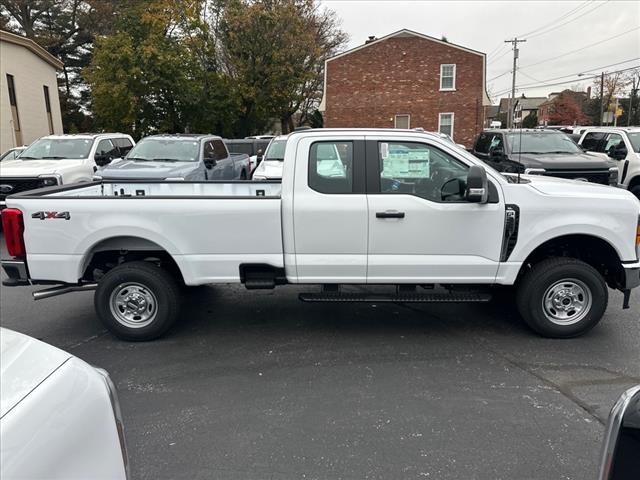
x=165 y=149
x=541 y=143
x=58 y=149
x=275 y=151
x=634 y=138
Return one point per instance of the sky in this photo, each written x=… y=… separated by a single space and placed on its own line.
x=575 y=31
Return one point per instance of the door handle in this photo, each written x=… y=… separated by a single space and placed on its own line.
x=390 y=214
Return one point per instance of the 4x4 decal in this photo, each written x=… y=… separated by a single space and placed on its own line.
x=46 y=215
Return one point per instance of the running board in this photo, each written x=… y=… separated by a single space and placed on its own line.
x=400 y=298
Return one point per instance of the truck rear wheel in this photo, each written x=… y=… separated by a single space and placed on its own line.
x=562 y=297
x=137 y=301
x=636 y=190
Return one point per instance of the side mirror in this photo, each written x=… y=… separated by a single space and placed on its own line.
x=477 y=185
x=618 y=153
x=496 y=154
x=210 y=162
x=620 y=459
x=102 y=160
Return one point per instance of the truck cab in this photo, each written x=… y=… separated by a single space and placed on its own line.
x=618 y=144
x=191 y=157
x=60 y=159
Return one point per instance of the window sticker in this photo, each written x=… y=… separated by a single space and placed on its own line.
x=384 y=151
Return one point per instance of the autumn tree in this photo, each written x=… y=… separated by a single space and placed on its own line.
x=274 y=51
x=566 y=110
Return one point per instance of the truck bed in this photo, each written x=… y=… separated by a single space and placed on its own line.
x=209 y=228
x=163 y=189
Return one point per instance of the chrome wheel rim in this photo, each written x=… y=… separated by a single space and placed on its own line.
x=133 y=305
x=567 y=302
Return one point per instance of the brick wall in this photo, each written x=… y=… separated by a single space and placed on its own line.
x=401 y=75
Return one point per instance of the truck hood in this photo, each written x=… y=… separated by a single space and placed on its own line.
x=147 y=169
x=560 y=187
x=34 y=168
x=562 y=161
x=24 y=363
x=270 y=169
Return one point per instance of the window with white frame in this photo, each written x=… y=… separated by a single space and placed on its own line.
x=445 y=124
x=402 y=121
x=448 y=76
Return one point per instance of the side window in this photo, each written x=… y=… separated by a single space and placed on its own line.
x=208 y=152
x=614 y=142
x=124 y=145
x=445 y=123
x=447 y=77
x=105 y=147
x=496 y=143
x=331 y=167
x=482 y=144
x=592 y=140
x=220 y=151
x=421 y=170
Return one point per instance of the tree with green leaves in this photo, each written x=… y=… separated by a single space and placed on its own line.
x=67 y=29
x=152 y=74
x=530 y=121
x=274 y=51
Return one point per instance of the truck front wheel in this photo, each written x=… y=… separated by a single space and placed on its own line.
x=137 y=301
x=562 y=297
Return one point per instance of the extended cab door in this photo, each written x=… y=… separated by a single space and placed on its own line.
x=330 y=210
x=421 y=228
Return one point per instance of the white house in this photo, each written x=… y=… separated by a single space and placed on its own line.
x=29 y=102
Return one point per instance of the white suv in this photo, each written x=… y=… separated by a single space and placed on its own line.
x=621 y=144
x=61 y=159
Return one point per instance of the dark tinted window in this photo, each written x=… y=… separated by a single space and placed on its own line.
x=123 y=144
x=592 y=140
x=482 y=144
x=237 y=147
x=105 y=147
x=219 y=150
x=331 y=167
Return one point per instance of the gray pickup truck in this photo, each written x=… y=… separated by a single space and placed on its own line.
x=178 y=157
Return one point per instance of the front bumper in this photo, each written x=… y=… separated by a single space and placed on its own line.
x=16 y=271
x=631 y=275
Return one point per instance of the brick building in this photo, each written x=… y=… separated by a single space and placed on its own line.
x=407 y=80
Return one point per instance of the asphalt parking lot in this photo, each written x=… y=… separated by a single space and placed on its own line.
x=257 y=385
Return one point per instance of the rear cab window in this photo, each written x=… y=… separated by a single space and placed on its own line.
x=331 y=167
x=592 y=141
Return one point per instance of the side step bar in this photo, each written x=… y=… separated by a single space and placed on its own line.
x=398 y=298
x=62 y=289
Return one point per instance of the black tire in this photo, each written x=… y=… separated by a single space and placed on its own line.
x=243 y=175
x=635 y=190
x=147 y=281
x=538 y=282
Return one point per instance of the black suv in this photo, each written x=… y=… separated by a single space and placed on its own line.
x=542 y=152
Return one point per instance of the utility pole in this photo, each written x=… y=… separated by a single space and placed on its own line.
x=515 y=43
x=601 y=97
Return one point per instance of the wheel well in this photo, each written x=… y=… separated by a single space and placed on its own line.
x=592 y=250
x=635 y=181
x=111 y=252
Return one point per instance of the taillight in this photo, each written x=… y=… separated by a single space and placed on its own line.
x=13 y=227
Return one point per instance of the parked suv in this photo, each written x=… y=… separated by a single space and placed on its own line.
x=61 y=159
x=620 y=144
x=542 y=152
x=179 y=157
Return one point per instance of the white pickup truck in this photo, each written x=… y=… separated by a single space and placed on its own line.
x=407 y=210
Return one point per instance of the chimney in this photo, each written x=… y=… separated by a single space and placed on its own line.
x=372 y=38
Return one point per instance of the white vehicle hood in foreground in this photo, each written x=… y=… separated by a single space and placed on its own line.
x=270 y=169
x=560 y=187
x=24 y=363
x=34 y=168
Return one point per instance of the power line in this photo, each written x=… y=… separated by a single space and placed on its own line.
x=578 y=73
x=578 y=79
x=562 y=17
x=581 y=48
x=569 y=21
x=499 y=57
